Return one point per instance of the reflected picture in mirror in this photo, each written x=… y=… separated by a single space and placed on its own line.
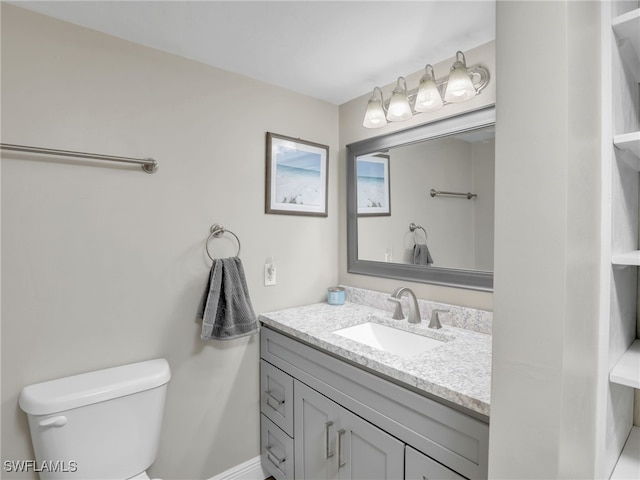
x=374 y=198
x=441 y=181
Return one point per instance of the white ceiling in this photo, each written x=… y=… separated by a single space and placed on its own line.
x=332 y=50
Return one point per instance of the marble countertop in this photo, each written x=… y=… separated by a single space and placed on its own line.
x=458 y=371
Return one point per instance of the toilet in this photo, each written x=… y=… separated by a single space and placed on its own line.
x=98 y=425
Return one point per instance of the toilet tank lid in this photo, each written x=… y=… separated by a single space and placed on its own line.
x=87 y=388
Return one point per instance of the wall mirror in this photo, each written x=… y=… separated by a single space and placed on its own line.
x=420 y=203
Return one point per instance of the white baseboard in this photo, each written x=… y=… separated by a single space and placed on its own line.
x=249 y=470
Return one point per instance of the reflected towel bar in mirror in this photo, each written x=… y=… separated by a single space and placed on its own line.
x=469 y=195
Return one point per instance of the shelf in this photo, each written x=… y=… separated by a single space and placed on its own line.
x=628 y=465
x=627 y=370
x=626 y=27
x=627 y=258
x=631 y=143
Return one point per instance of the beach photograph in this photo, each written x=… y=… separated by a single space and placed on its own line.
x=373 y=185
x=296 y=176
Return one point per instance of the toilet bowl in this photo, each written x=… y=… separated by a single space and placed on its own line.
x=105 y=424
x=143 y=476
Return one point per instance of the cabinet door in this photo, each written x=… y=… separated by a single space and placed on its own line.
x=367 y=453
x=316 y=419
x=420 y=467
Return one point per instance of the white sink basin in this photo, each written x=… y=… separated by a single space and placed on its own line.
x=399 y=342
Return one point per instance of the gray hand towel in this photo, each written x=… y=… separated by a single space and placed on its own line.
x=226 y=309
x=421 y=255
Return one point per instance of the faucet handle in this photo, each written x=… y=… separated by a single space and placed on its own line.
x=435 y=318
x=397 y=313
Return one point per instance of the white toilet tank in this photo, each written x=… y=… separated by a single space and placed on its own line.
x=97 y=425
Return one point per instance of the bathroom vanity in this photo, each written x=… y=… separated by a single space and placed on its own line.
x=333 y=407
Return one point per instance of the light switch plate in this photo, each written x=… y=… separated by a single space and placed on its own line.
x=269 y=273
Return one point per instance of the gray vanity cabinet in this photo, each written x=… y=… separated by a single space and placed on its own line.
x=348 y=423
x=333 y=443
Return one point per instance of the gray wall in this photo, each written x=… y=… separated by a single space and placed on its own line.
x=545 y=325
x=484 y=172
x=103 y=265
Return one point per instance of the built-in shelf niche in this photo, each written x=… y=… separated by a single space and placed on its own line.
x=630 y=144
x=628 y=465
x=626 y=28
x=626 y=372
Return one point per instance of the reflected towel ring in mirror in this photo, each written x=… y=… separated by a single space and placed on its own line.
x=217 y=231
x=413 y=227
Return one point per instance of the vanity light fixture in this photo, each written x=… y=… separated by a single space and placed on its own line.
x=462 y=84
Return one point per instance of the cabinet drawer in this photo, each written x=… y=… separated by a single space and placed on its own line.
x=276 y=397
x=420 y=467
x=276 y=450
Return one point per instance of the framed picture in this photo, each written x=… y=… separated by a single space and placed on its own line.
x=297 y=176
x=373 y=192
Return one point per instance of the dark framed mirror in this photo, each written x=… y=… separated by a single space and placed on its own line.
x=434 y=188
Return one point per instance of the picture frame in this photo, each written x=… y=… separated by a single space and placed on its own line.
x=297 y=176
x=373 y=185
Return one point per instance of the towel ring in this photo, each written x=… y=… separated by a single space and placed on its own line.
x=217 y=231
x=413 y=227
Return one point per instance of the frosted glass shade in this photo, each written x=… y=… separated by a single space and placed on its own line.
x=374 y=116
x=399 y=108
x=459 y=87
x=428 y=97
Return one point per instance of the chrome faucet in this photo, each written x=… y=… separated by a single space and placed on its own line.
x=414 y=311
x=435 y=318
